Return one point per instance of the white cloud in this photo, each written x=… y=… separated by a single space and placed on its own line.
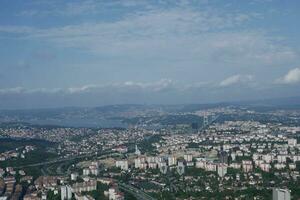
x=22 y=30
x=60 y=8
x=204 y=34
x=206 y=38
x=22 y=90
x=156 y=86
x=292 y=77
x=85 y=88
x=76 y=8
x=236 y=79
x=15 y=90
x=160 y=86
x=176 y=33
x=203 y=42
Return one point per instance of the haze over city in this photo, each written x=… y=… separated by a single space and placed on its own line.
x=149 y=99
x=92 y=53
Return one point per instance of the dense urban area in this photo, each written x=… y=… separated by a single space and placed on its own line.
x=149 y=100
x=214 y=152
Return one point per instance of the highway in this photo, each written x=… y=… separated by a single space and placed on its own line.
x=137 y=193
x=63 y=159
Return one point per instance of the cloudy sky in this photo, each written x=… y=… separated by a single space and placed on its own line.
x=98 y=52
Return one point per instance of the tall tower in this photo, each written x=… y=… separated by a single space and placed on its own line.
x=205 y=120
x=137 y=151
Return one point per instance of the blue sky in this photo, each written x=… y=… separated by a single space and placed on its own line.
x=88 y=53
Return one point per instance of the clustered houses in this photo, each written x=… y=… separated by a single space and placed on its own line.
x=113 y=140
x=56 y=184
x=84 y=186
x=53 y=135
x=245 y=146
x=43 y=184
x=92 y=140
x=91 y=185
x=120 y=149
x=265 y=149
x=171 y=162
x=17 y=153
x=152 y=162
x=93 y=169
x=76 y=189
x=208 y=165
x=122 y=164
x=52 y=183
x=113 y=193
x=226 y=155
x=246 y=151
x=47 y=182
x=205 y=164
x=8 y=183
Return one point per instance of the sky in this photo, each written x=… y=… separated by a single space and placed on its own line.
x=62 y=53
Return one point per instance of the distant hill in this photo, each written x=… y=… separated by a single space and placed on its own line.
x=110 y=114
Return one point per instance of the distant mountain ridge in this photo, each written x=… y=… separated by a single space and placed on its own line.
x=111 y=111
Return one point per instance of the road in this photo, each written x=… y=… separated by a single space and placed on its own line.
x=63 y=159
x=137 y=193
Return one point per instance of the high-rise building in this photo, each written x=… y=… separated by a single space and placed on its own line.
x=188 y=157
x=281 y=194
x=180 y=167
x=163 y=167
x=74 y=176
x=222 y=169
x=86 y=171
x=223 y=157
x=292 y=142
x=172 y=160
x=137 y=163
x=66 y=192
